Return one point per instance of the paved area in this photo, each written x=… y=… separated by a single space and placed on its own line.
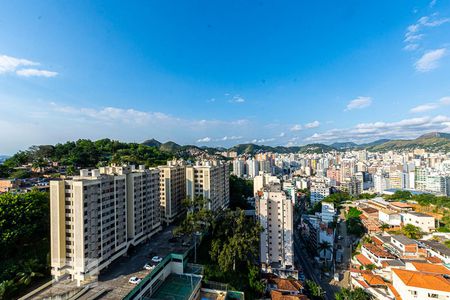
x=112 y=284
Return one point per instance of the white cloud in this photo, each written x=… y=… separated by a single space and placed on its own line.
x=237 y=99
x=282 y=134
x=230 y=138
x=431 y=106
x=36 y=72
x=411 y=47
x=358 y=103
x=430 y=60
x=432 y=3
x=424 y=107
x=9 y=64
x=264 y=140
x=296 y=127
x=414 y=32
x=406 y=128
x=312 y=124
x=445 y=100
x=204 y=140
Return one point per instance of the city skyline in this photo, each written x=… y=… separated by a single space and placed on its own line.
x=223 y=74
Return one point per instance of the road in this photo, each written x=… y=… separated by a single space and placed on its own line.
x=311 y=271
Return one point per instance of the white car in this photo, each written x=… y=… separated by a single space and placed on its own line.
x=148 y=267
x=134 y=280
x=156 y=259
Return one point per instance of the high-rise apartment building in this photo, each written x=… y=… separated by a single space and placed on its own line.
x=172 y=187
x=275 y=213
x=239 y=167
x=96 y=216
x=209 y=179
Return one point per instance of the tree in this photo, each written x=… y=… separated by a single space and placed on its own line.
x=370 y=267
x=29 y=272
x=324 y=247
x=411 y=231
x=356 y=294
x=240 y=190
x=236 y=240
x=314 y=290
x=384 y=226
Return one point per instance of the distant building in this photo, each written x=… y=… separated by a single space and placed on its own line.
x=209 y=179
x=172 y=187
x=319 y=191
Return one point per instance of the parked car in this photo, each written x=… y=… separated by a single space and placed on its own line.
x=148 y=267
x=134 y=280
x=156 y=259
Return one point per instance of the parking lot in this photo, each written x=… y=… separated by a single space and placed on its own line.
x=113 y=281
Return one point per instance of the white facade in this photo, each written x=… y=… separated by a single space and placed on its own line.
x=209 y=179
x=439 y=290
x=275 y=213
x=389 y=217
x=96 y=216
x=263 y=179
x=328 y=212
x=425 y=222
x=319 y=191
x=239 y=167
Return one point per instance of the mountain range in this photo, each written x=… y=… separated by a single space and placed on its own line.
x=433 y=141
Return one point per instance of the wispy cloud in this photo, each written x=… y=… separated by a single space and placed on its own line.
x=432 y=3
x=10 y=64
x=36 y=73
x=237 y=99
x=406 y=128
x=414 y=32
x=313 y=124
x=430 y=60
x=358 y=103
x=296 y=127
x=204 y=140
x=431 y=106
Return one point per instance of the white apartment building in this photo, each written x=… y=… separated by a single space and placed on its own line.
x=390 y=217
x=209 y=179
x=425 y=222
x=380 y=182
x=263 y=179
x=319 y=191
x=172 y=188
x=328 y=212
x=239 y=167
x=275 y=213
x=413 y=285
x=252 y=167
x=96 y=216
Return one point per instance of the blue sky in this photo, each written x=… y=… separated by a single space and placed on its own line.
x=220 y=73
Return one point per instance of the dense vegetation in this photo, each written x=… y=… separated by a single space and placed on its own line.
x=354 y=224
x=24 y=240
x=240 y=190
x=85 y=154
x=229 y=246
x=355 y=294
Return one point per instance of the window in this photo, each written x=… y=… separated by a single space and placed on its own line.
x=430 y=295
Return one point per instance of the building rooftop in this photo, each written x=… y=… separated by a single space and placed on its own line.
x=372 y=279
x=378 y=251
x=438 y=247
x=431 y=268
x=418 y=214
x=404 y=240
x=392 y=263
x=423 y=280
x=176 y=287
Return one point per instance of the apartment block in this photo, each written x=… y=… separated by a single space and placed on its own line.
x=96 y=216
x=275 y=213
x=172 y=186
x=209 y=179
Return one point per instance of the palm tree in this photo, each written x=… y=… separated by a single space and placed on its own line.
x=324 y=247
x=29 y=271
x=384 y=226
x=411 y=231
